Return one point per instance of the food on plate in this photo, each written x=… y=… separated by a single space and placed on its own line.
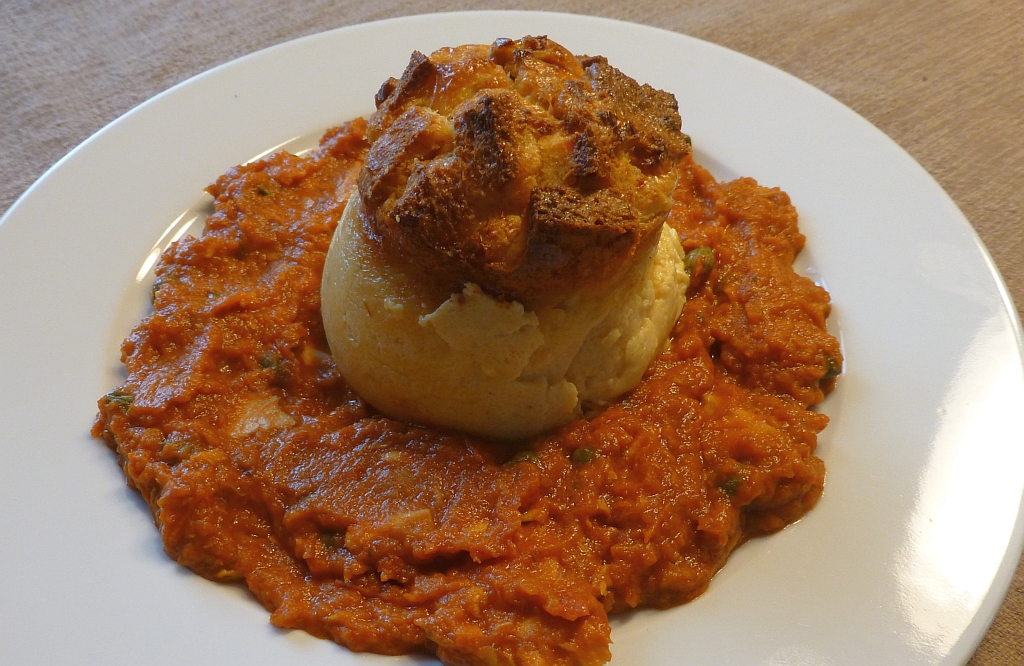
x=504 y=262
x=261 y=464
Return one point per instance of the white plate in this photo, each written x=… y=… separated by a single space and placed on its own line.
x=904 y=561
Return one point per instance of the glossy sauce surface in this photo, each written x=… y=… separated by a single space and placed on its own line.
x=260 y=465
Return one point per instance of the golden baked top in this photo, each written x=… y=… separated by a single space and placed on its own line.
x=520 y=167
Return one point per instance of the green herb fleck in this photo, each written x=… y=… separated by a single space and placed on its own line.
x=263 y=191
x=731 y=484
x=832 y=368
x=179 y=446
x=582 y=455
x=700 y=261
x=121 y=398
x=700 y=317
x=526 y=455
x=332 y=538
x=277 y=364
x=686 y=138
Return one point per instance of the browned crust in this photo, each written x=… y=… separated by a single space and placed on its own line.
x=519 y=167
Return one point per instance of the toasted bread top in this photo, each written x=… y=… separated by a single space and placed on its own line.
x=520 y=167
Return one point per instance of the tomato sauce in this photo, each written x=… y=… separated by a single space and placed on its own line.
x=260 y=465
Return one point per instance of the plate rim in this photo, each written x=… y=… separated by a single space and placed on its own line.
x=992 y=601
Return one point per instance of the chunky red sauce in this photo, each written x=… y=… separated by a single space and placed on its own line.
x=260 y=465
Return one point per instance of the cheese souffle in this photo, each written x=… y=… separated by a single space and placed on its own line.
x=504 y=266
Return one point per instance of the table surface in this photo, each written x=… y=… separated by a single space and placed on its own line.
x=943 y=78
